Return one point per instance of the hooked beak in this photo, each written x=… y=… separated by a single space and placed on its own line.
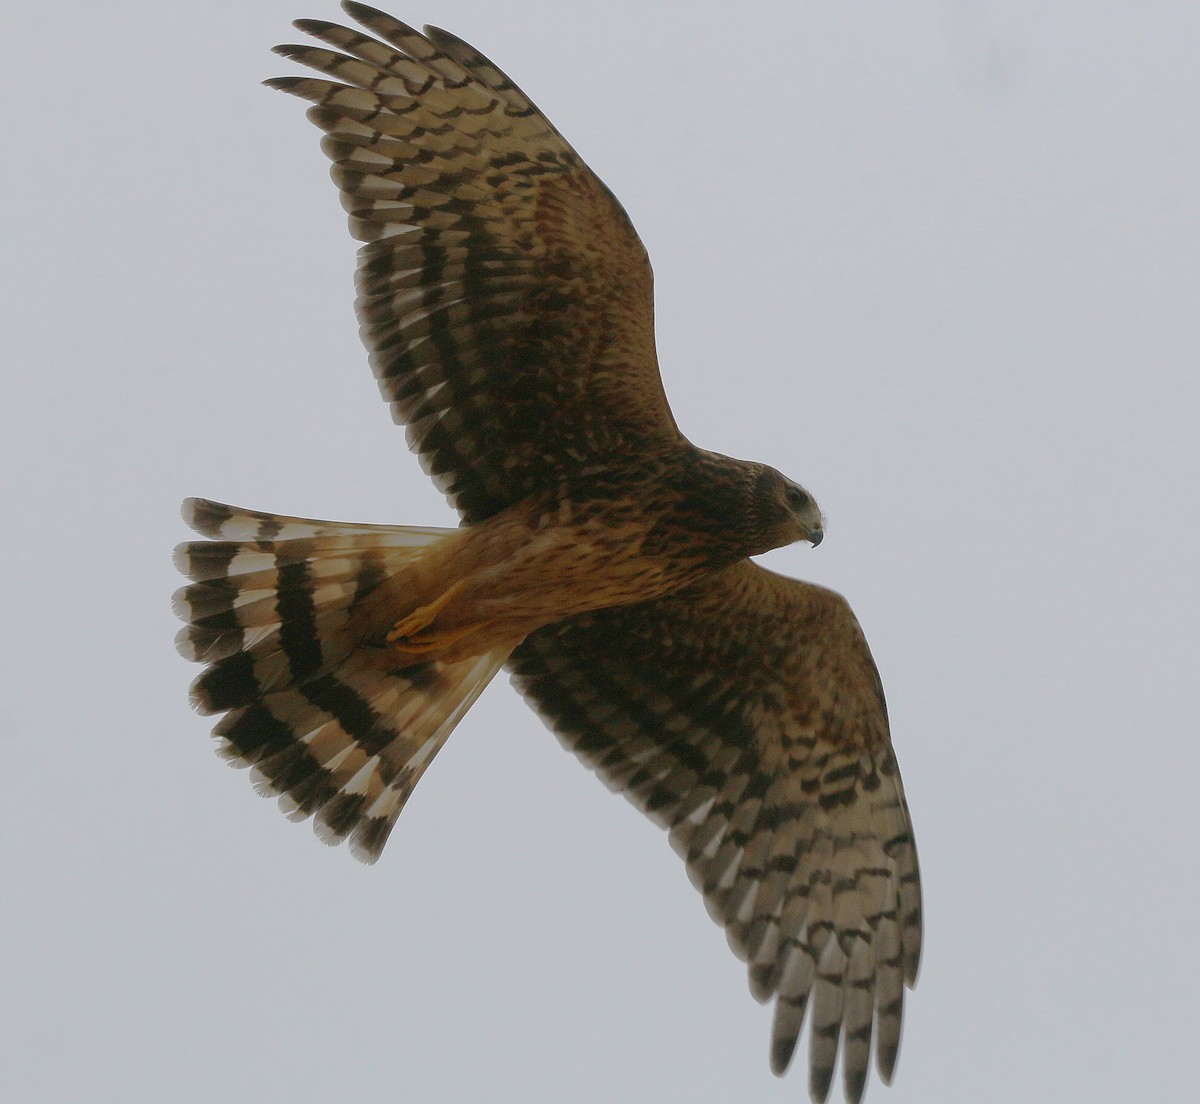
x=815 y=534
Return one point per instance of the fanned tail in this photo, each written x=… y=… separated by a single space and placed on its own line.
x=337 y=728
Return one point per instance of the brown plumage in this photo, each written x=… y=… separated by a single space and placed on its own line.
x=506 y=303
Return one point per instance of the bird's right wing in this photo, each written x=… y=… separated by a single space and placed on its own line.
x=504 y=295
x=744 y=714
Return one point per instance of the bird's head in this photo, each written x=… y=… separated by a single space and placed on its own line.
x=786 y=511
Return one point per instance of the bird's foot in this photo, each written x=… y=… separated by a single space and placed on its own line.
x=413 y=635
x=425 y=643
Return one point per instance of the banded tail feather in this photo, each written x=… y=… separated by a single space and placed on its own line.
x=337 y=727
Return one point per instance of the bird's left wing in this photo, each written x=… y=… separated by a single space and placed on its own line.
x=744 y=713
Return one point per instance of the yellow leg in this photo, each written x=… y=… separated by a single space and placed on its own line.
x=424 y=616
x=412 y=634
x=423 y=643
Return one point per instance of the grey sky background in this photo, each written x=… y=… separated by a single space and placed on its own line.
x=938 y=261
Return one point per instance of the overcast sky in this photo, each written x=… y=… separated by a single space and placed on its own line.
x=938 y=261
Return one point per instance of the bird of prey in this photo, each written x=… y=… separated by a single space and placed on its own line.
x=505 y=300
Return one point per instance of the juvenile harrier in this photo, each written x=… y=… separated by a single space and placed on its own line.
x=506 y=303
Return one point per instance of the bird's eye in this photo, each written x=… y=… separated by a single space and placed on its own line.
x=796 y=497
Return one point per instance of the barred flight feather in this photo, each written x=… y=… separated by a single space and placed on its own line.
x=337 y=729
x=493 y=258
x=776 y=783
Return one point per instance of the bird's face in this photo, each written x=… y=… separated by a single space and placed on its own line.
x=787 y=511
x=805 y=513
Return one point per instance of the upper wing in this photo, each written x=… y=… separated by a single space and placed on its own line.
x=504 y=295
x=745 y=714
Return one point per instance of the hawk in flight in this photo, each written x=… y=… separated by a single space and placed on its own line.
x=506 y=302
